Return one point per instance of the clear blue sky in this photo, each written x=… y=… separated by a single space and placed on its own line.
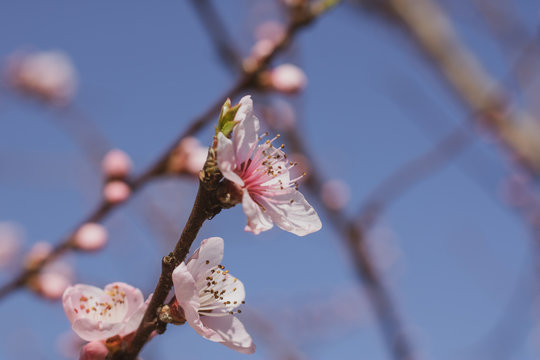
x=463 y=259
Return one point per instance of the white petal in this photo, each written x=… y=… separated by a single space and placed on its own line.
x=206 y=257
x=90 y=330
x=257 y=219
x=187 y=295
x=297 y=217
x=232 y=332
x=245 y=133
x=226 y=159
x=133 y=298
x=132 y=322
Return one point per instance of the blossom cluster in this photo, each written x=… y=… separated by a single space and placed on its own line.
x=206 y=295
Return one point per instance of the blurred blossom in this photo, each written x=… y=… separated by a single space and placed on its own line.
x=49 y=75
x=188 y=157
x=69 y=345
x=98 y=314
x=38 y=252
x=262 y=48
x=335 y=194
x=270 y=30
x=287 y=78
x=91 y=236
x=94 y=350
x=51 y=284
x=260 y=178
x=53 y=279
x=116 y=191
x=116 y=164
x=11 y=239
x=209 y=296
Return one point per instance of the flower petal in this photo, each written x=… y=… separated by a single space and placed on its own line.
x=187 y=295
x=71 y=300
x=90 y=329
x=297 y=217
x=134 y=319
x=132 y=299
x=206 y=257
x=232 y=332
x=257 y=219
x=226 y=159
x=245 y=133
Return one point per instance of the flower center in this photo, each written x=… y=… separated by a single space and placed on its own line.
x=266 y=171
x=108 y=307
x=218 y=293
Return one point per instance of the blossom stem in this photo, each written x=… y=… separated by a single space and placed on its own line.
x=205 y=206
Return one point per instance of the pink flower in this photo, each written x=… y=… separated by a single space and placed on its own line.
x=209 y=295
x=97 y=314
x=288 y=78
x=261 y=171
x=91 y=237
x=117 y=164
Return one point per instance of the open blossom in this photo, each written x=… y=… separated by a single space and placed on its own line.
x=97 y=314
x=209 y=297
x=261 y=171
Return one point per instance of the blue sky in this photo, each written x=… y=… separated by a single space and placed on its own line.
x=463 y=258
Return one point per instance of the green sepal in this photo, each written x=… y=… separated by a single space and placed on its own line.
x=226 y=121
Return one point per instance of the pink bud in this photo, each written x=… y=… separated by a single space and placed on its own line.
x=288 y=78
x=116 y=191
x=94 y=350
x=91 y=236
x=335 y=194
x=52 y=284
x=116 y=164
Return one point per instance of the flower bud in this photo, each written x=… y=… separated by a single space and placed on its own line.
x=94 y=350
x=91 y=237
x=116 y=192
x=37 y=253
x=287 y=78
x=52 y=285
x=116 y=164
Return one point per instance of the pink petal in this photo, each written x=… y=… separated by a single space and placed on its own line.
x=245 y=133
x=90 y=330
x=207 y=256
x=297 y=217
x=257 y=219
x=232 y=332
x=72 y=296
x=187 y=295
x=134 y=320
x=226 y=159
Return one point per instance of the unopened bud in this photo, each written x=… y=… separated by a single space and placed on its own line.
x=90 y=237
x=116 y=164
x=116 y=192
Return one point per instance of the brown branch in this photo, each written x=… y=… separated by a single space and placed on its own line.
x=246 y=81
x=204 y=201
